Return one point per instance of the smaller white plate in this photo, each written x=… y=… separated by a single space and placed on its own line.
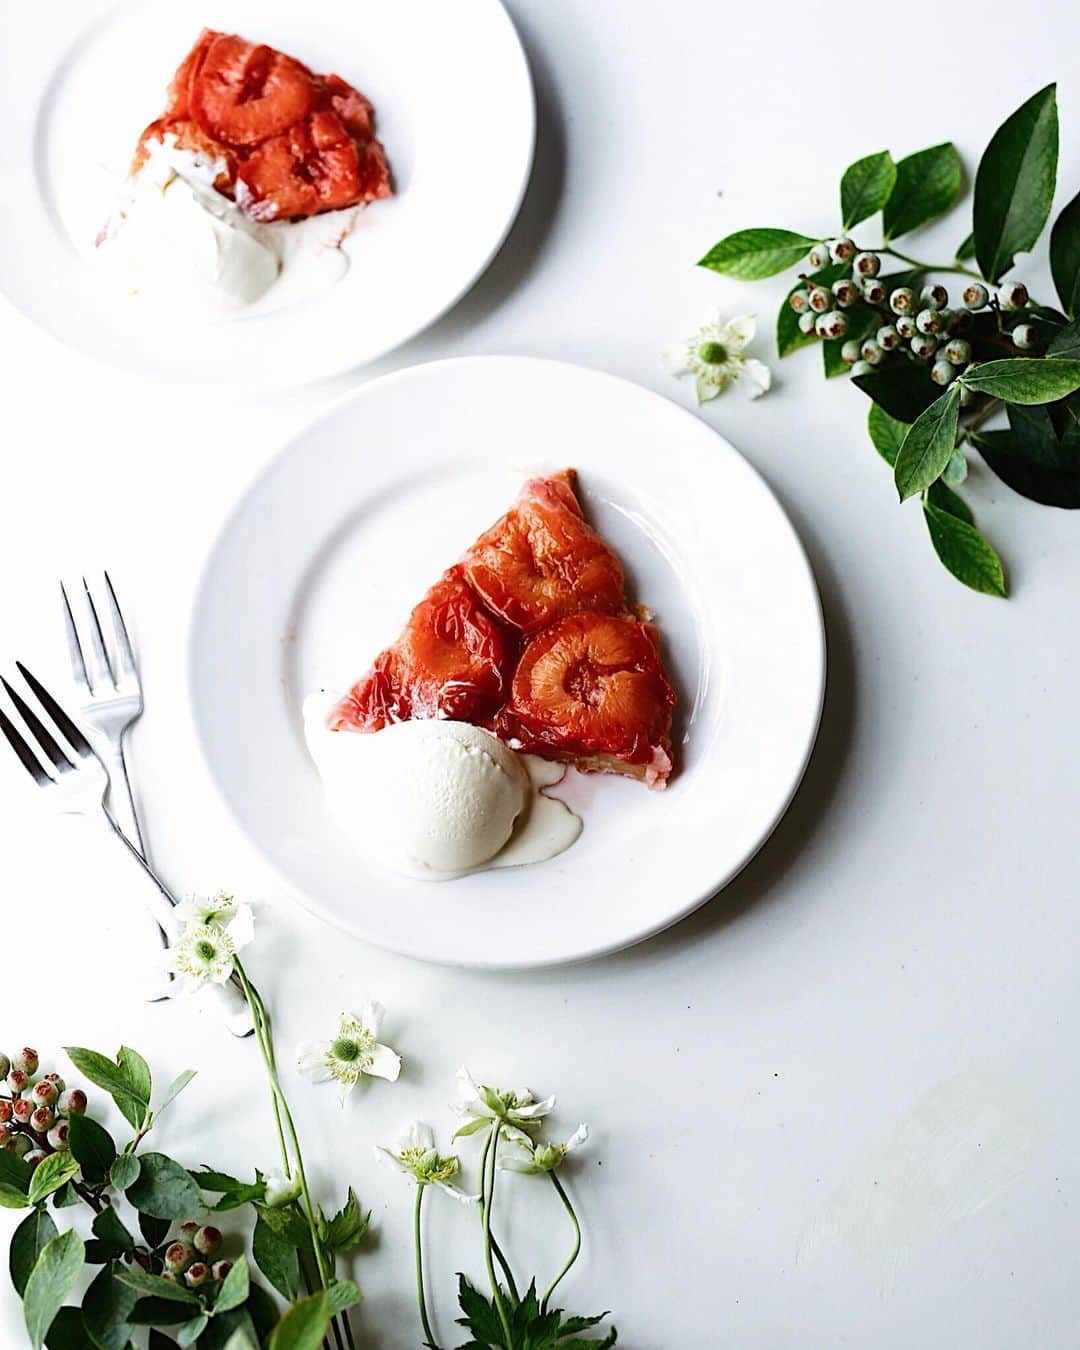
x=454 y=108
x=342 y=534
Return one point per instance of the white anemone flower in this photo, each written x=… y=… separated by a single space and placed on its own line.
x=205 y=951
x=353 y=1052
x=519 y=1111
x=544 y=1157
x=223 y=909
x=279 y=1191
x=415 y=1153
x=715 y=356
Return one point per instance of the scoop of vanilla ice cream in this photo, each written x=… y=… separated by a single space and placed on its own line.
x=431 y=798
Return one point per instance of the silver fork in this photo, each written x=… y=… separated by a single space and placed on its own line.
x=79 y=788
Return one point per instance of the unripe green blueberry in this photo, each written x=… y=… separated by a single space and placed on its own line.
x=957 y=351
x=43 y=1119
x=58 y=1136
x=819 y=256
x=189 y=1229
x=975 y=295
x=820 y=299
x=872 y=353
x=72 y=1102
x=20 y=1145
x=943 y=372
x=902 y=300
x=1025 y=336
x=178 y=1256
x=35 y=1156
x=18 y=1080
x=22 y=1109
x=57 y=1082
x=846 y=292
x=27 y=1060
x=831 y=325
x=873 y=291
x=887 y=337
x=807 y=322
x=196 y=1274
x=929 y=321
x=905 y=325
x=207 y=1240
x=5 y=1065
x=862 y=368
x=967 y=396
x=799 y=300
x=850 y=352
x=936 y=296
x=866 y=265
x=923 y=345
x=220 y=1269
x=43 y=1093
x=842 y=250
x=1013 y=295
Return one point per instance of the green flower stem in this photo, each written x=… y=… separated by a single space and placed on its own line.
x=577 y=1241
x=420 y=1299
x=928 y=267
x=511 y=1284
x=488 y=1189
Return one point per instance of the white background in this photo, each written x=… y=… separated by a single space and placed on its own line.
x=839 y=1105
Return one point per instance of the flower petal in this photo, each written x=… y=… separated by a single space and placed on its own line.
x=674 y=358
x=241 y=927
x=371 y=1017
x=455 y=1193
x=385 y=1063
x=388 y=1156
x=578 y=1138
x=707 y=390
x=739 y=330
x=535 y=1110
x=758 y=377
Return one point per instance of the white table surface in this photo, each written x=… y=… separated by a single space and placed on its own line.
x=836 y=1107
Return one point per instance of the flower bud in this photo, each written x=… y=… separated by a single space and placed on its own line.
x=58 y=1136
x=5 y=1111
x=22 y=1109
x=42 y=1119
x=18 y=1080
x=44 y=1093
x=1025 y=336
x=831 y=325
x=806 y=322
x=178 y=1256
x=923 y=345
x=887 y=338
x=866 y=265
x=72 y=1102
x=27 y=1060
x=943 y=372
x=846 y=292
x=35 y=1156
x=905 y=326
x=850 y=352
x=1013 y=295
x=57 y=1082
x=819 y=256
x=207 y=1240
x=902 y=300
x=975 y=295
x=799 y=300
x=281 y=1192
x=935 y=296
x=862 y=368
x=842 y=250
x=5 y=1065
x=872 y=353
x=930 y=320
x=196 y=1274
x=220 y=1269
x=20 y=1145
x=820 y=299
x=958 y=352
x=873 y=291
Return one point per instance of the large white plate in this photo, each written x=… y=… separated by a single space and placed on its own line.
x=454 y=104
x=339 y=537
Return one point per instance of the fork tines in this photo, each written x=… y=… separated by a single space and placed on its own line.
x=41 y=734
x=100 y=669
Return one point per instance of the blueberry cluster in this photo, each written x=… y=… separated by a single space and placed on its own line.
x=34 y=1118
x=187 y=1258
x=922 y=325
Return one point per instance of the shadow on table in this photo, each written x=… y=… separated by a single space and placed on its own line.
x=810 y=806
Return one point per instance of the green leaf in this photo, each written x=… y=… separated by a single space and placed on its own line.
x=68 y=1331
x=1031 y=459
x=1066 y=342
x=124 y=1170
x=66 y=1196
x=1014 y=185
x=209 y=1180
x=157 y=1341
x=928 y=444
x=927 y=184
x=155 y=1286
x=945 y=499
x=288 y=1223
x=956 y=471
x=137 y=1072
x=348 y=1226
x=887 y=433
x=239 y=1340
x=159 y=1312
x=50 y=1174
x=106 y=1307
x=178 y=1084
x=753 y=254
x=903 y=389
x=190 y=1332
x=789 y=336
x=964 y=551
x=92 y=1145
x=304 y=1326
x=344 y=1294
x=263 y=1310
x=114 y=1079
x=966 y=251
x=1065 y=256
x=109 y=1228
x=154 y=1230
x=11 y=1197
x=164 y=1189
x=14 y=1173
x=276 y=1258
x=225 y=1327
x=1019 y=380
x=865 y=187
x=26 y=1243
x=52 y=1279
x=234 y=1287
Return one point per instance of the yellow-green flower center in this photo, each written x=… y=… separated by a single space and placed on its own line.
x=712 y=353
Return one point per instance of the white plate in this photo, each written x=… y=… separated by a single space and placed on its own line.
x=454 y=108
x=340 y=536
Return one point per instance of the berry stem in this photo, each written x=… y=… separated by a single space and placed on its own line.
x=575 y=1250
x=421 y=1301
x=927 y=267
x=488 y=1189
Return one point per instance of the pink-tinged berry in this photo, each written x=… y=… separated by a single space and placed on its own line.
x=957 y=352
x=930 y=321
x=42 y=1120
x=872 y=353
x=18 y=1080
x=22 y=1110
x=905 y=326
x=27 y=1060
x=846 y=292
x=799 y=301
x=807 y=322
x=820 y=299
x=935 y=296
x=44 y=1093
x=831 y=325
x=35 y=1156
x=220 y=1269
x=887 y=337
x=197 y=1274
x=1013 y=295
x=207 y=1240
x=819 y=256
x=943 y=372
x=5 y=1065
x=975 y=295
x=6 y=1111
x=178 y=1256
x=842 y=250
x=923 y=345
x=57 y=1082
x=20 y=1145
x=72 y=1102
x=1025 y=336
x=866 y=265
x=873 y=291
x=189 y=1229
x=850 y=352
x=902 y=300
x=58 y=1136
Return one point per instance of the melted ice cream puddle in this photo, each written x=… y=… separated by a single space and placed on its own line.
x=438 y=799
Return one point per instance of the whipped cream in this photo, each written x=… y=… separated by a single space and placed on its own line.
x=438 y=799
x=176 y=242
